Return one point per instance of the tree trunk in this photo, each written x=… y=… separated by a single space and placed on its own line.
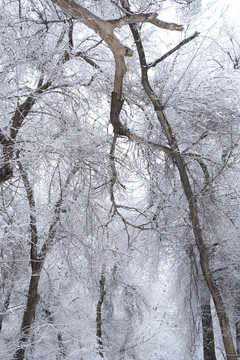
x=29 y=313
x=237 y=327
x=207 y=331
x=36 y=260
x=62 y=351
x=99 y=315
x=5 y=307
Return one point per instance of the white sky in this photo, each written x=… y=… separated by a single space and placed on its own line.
x=230 y=10
x=212 y=11
x=234 y=8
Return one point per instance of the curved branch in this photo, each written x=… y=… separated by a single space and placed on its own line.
x=142 y=18
x=203 y=166
x=166 y=26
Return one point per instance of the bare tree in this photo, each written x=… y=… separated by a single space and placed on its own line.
x=105 y=30
x=115 y=152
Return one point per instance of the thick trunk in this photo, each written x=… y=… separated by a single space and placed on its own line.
x=207 y=331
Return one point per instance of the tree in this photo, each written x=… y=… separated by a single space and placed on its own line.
x=105 y=29
x=75 y=184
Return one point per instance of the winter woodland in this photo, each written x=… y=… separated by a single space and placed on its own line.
x=119 y=180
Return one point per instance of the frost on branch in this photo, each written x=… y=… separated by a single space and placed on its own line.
x=105 y=29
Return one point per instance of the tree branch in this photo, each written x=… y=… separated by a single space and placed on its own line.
x=170 y=52
x=142 y=18
x=97 y=24
x=203 y=166
x=78 y=12
x=58 y=208
x=23 y=110
x=7 y=145
x=153 y=145
x=165 y=25
x=33 y=220
x=82 y=55
x=105 y=30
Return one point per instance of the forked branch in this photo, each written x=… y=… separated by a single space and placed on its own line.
x=105 y=29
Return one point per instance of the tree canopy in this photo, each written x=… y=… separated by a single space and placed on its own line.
x=119 y=180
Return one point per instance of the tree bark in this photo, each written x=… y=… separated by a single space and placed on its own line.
x=36 y=260
x=62 y=351
x=99 y=315
x=237 y=327
x=207 y=331
x=29 y=313
x=5 y=307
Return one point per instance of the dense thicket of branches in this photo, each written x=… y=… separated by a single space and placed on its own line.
x=119 y=181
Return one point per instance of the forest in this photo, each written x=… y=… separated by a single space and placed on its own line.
x=119 y=180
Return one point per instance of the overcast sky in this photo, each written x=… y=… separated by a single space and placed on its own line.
x=234 y=8
x=232 y=12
